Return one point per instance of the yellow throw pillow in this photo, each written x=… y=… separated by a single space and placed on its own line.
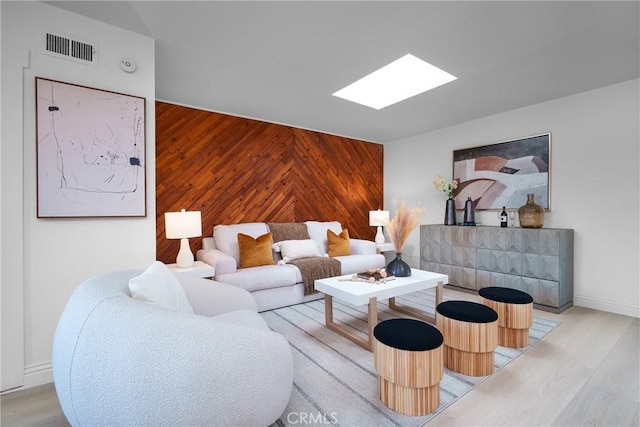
x=338 y=244
x=255 y=252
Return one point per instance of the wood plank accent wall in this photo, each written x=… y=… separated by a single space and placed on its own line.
x=240 y=170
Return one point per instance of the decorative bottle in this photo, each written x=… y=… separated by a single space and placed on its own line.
x=503 y=218
x=469 y=214
x=530 y=214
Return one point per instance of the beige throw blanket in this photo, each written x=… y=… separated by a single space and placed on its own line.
x=288 y=231
x=316 y=268
x=310 y=268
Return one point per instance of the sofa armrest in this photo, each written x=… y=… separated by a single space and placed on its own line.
x=211 y=298
x=208 y=243
x=222 y=262
x=362 y=247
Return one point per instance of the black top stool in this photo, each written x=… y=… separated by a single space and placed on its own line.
x=515 y=314
x=470 y=336
x=408 y=359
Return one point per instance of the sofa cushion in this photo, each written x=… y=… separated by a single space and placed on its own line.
x=362 y=247
x=294 y=249
x=338 y=244
x=318 y=232
x=263 y=277
x=157 y=285
x=255 y=251
x=226 y=236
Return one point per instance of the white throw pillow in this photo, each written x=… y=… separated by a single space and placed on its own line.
x=157 y=285
x=294 y=249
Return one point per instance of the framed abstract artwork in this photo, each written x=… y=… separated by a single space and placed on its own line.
x=90 y=152
x=502 y=174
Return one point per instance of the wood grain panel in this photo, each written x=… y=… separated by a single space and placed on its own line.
x=339 y=179
x=240 y=170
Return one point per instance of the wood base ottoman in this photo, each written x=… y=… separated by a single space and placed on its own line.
x=470 y=336
x=408 y=359
x=515 y=314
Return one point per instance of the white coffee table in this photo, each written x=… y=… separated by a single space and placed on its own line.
x=360 y=293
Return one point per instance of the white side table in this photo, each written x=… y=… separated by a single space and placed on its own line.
x=198 y=269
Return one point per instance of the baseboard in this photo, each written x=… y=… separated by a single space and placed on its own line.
x=36 y=375
x=608 y=306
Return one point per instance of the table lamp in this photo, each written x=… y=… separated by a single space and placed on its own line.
x=183 y=225
x=379 y=219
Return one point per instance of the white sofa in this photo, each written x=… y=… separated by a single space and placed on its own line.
x=275 y=286
x=118 y=361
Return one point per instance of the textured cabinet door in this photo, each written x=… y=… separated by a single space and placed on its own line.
x=536 y=261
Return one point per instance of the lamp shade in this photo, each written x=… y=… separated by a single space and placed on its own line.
x=378 y=218
x=183 y=224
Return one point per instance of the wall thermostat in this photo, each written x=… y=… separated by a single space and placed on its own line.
x=128 y=65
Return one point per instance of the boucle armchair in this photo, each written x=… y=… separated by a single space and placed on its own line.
x=118 y=361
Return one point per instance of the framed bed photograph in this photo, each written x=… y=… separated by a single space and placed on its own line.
x=90 y=152
x=502 y=174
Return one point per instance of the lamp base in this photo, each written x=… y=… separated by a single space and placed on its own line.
x=379 y=236
x=185 y=256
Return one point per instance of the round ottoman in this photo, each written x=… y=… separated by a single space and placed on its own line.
x=408 y=359
x=515 y=314
x=470 y=336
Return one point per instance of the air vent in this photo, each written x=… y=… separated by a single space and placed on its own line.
x=71 y=48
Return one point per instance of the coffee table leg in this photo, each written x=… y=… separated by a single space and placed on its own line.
x=372 y=320
x=418 y=313
x=439 y=293
x=328 y=309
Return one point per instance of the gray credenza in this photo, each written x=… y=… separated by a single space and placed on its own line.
x=537 y=261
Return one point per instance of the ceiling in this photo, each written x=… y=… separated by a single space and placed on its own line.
x=281 y=61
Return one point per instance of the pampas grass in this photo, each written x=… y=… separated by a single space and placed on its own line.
x=402 y=224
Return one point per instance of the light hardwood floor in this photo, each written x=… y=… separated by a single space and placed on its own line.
x=584 y=373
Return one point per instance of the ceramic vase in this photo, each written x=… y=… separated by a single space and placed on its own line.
x=530 y=214
x=450 y=212
x=397 y=267
x=469 y=213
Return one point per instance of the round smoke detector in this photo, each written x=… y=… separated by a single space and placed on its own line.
x=128 y=65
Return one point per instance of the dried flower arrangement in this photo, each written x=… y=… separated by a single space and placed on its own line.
x=402 y=224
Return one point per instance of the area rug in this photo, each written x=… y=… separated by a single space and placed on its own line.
x=335 y=379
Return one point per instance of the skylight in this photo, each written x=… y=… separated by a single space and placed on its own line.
x=395 y=82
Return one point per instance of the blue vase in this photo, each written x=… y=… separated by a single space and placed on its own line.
x=398 y=268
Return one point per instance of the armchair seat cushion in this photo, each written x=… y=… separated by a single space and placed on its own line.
x=247 y=318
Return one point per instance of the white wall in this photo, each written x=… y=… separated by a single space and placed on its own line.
x=60 y=253
x=594 y=183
